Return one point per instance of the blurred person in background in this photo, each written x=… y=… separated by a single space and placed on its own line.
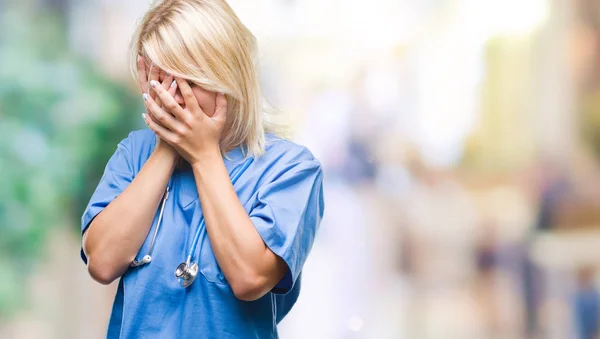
x=486 y=264
x=246 y=238
x=552 y=189
x=586 y=305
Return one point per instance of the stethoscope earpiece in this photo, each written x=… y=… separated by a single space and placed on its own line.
x=146 y=259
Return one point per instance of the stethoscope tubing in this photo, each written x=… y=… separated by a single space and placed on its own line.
x=148 y=257
x=160 y=216
x=189 y=269
x=202 y=226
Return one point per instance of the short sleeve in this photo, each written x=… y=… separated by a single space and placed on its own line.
x=117 y=176
x=287 y=214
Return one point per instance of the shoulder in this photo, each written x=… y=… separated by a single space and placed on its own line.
x=139 y=139
x=288 y=167
x=284 y=151
x=139 y=145
x=285 y=158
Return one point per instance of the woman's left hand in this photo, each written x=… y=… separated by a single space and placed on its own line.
x=190 y=131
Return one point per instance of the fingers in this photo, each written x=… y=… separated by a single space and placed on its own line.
x=165 y=83
x=188 y=96
x=154 y=75
x=170 y=104
x=159 y=130
x=142 y=76
x=146 y=74
x=220 y=107
x=159 y=115
x=172 y=88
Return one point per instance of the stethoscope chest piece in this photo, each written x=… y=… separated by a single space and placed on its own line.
x=186 y=273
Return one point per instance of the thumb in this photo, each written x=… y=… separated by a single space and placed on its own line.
x=220 y=107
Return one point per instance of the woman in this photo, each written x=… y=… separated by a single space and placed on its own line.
x=241 y=214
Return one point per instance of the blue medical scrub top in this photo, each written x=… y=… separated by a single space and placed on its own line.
x=282 y=191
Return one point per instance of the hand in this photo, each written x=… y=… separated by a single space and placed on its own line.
x=190 y=131
x=167 y=82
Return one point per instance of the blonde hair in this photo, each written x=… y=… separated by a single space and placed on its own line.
x=204 y=42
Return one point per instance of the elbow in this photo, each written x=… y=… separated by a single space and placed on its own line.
x=102 y=267
x=250 y=288
x=102 y=273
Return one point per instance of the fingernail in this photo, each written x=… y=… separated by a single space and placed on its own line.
x=173 y=83
x=153 y=83
x=145 y=96
x=144 y=116
x=168 y=73
x=139 y=58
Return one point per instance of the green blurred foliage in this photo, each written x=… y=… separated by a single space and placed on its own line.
x=60 y=121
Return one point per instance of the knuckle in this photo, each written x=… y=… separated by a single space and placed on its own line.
x=171 y=105
x=159 y=117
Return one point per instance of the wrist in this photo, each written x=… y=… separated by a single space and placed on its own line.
x=207 y=159
x=165 y=154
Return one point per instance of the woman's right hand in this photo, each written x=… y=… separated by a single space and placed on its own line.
x=167 y=81
x=116 y=235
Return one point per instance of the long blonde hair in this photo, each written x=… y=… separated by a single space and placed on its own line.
x=204 y=42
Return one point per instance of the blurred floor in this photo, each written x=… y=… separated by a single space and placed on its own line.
x=63 y=301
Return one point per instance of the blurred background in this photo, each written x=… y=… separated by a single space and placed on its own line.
x=460 y=141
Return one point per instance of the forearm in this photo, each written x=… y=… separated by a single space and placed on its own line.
x=249 y=266
x=118 y=232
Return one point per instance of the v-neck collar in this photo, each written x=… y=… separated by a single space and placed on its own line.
x=186 y=181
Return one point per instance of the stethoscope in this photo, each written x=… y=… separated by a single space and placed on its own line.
x=187 y=271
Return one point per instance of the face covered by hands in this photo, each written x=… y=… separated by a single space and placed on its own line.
x=184 y=124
